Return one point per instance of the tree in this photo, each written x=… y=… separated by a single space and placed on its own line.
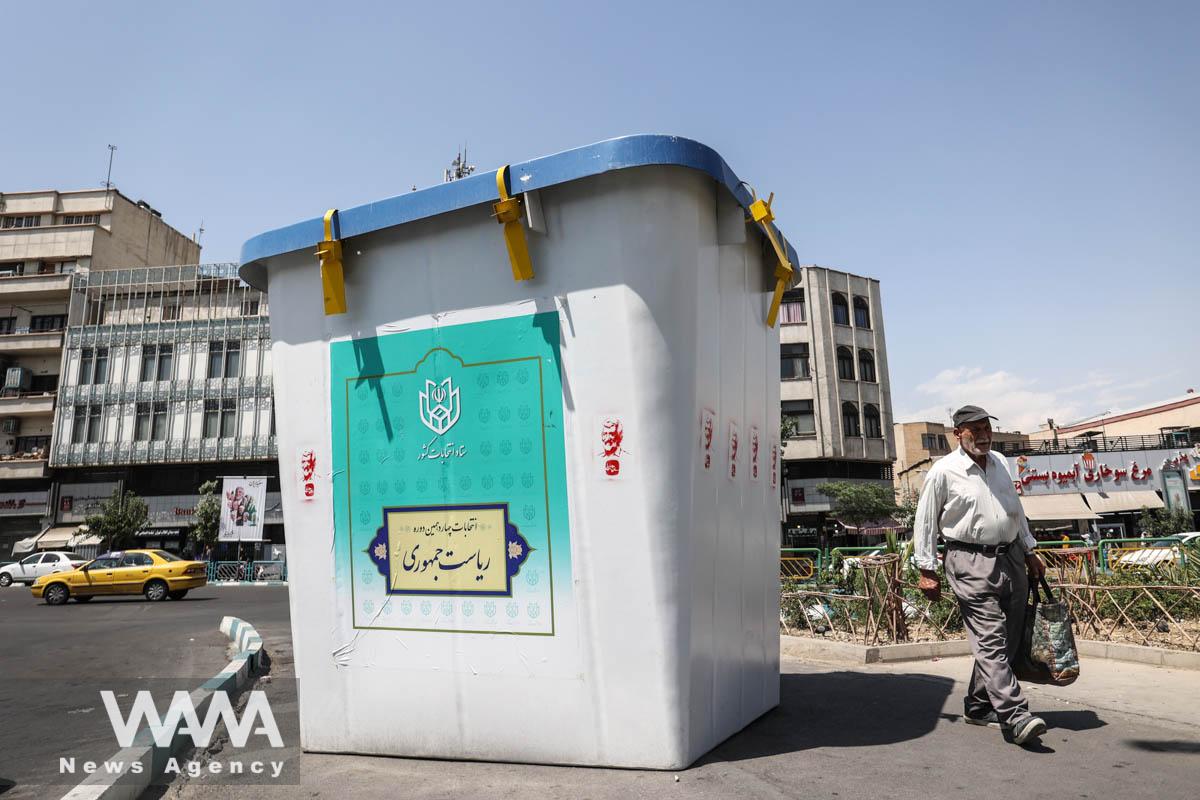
x=119 y=520
x=906 y=506
x=208 y=516
x=1164 y=521
x=856 y=503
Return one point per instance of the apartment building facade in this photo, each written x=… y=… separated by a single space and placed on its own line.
x=166 y=383
x=835 y=396
x=46 y=237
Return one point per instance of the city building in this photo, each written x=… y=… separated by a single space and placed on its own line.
x=46 y=237
x=166 y=383
x=1175 y=416
x=920 y=444
x=1098 y=474
x=836 y=399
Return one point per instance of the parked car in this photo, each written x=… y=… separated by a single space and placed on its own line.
x=156 y=574
x=30 y=568
x=1157 y=552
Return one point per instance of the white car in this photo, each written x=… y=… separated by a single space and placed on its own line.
x=30 y=568
x=1158 y=551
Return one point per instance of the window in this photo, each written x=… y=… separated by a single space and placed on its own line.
x=81 y=219
x=850 y=420
x=152 y=422
x=108 y=562
x=86 y=425
x=794 y=360
x=47 y=322
x=32 y=444
x=8 y=324
x=136 y=560
x=866 y=366
x=94 y=315
x=11 y=270
x=43 y=383
x=157 y=362
x=220 y=418
x=845 y=363
x=170 y=313
x=862 y=313
x=791 y=309
x=160 y=426
x=249 y=308
x=93 y=365
x=798 y=419
x=21 y=222
x=141 y=423
x=872 y=425
x=224 y=359
x=841 y=309
x=79 y=428
x=934 y=443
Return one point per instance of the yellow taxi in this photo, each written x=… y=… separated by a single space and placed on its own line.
x=155 y=573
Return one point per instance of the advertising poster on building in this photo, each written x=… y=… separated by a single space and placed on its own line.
x=449 y=477
x=243 y=502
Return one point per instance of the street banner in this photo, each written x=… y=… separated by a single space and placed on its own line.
x=242 y=503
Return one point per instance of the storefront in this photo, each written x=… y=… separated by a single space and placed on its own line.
x=21 y=518
x=1103 y=493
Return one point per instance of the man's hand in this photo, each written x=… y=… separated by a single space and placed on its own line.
x=1034 y=566
x=930 y=585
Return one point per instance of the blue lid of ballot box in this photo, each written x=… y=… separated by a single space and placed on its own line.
x=640 y=150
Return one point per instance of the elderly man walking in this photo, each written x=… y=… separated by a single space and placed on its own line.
x=969 y=501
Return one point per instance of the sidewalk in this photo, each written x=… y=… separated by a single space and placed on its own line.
x=1123 y=730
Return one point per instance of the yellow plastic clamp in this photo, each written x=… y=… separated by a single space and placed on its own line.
x=333 y=281
x=761 y=214
x=508 y=214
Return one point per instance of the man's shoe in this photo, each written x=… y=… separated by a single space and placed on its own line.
x=986 y=719
x=1027 y=729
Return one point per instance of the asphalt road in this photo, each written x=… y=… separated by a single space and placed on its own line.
x=55 y=661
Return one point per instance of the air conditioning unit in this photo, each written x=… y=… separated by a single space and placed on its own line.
x=18 y=378
x=10 y=425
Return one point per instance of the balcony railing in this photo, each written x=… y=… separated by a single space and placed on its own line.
x=215 y=388
x=1100 y=444
x=242 y=328
x=173 y=451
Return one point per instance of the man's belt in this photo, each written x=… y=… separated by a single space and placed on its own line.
x=988 y=549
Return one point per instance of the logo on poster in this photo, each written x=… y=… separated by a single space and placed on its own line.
x=440 y=406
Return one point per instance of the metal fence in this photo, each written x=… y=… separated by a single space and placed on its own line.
x=246 y=571
x=1100 y=444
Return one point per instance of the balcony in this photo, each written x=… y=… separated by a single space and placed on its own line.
x=12 y=467
x=23 y=340
x=34 y=288
x=173 y=451
x=28 y=404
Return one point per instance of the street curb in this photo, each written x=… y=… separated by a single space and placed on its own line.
x=859 y=654
x=247 y=583
x=126 y=785
x=835 y=652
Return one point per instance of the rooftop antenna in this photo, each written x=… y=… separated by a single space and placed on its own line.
x=112 y=148
x=459 y=168
x=200 y=233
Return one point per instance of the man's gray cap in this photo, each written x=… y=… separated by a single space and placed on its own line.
x=970 y=414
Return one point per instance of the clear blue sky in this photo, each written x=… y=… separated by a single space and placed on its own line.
x=1022 y=177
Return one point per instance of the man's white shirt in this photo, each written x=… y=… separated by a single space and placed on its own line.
x=961 y=501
